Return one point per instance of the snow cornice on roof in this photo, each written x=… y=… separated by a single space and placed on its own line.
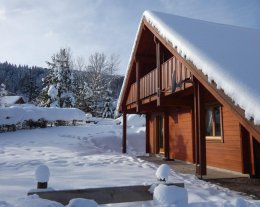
x=226 y=54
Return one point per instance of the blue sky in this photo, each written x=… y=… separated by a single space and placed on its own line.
x=31 y=31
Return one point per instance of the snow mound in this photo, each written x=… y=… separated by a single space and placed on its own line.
x=42 y=174
x=163 y=172
x=15 y=114
x=36 y=201
x=170 y=196
x=5 y=204
x=81 y=202
x=133 y=120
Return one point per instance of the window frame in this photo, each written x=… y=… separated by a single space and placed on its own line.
x=214 y=138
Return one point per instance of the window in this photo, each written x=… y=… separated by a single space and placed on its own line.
x=213 y=123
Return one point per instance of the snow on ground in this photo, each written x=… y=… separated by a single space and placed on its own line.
x=25 y=112
x=89 y=156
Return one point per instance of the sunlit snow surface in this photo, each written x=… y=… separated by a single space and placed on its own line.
x=89 y=156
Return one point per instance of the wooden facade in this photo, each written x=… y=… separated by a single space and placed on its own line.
x=187 y=117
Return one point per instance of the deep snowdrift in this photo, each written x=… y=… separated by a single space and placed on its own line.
x=90 y=156
x=18 y=114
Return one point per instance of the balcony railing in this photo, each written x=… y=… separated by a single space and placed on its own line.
x=172 y=71
x=132 y=96
x=148 y=84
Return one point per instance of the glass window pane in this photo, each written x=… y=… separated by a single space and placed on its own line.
x=209 y=129
x=216 y=110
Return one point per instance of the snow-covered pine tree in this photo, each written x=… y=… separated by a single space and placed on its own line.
x=60 y=81
x=44 y=99
x=84 y=101
x=108 y=111
x=3 y=92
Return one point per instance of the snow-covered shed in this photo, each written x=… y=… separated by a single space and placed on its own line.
x=11 y=100
x=197 y=82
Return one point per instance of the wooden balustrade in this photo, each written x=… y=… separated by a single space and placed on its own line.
x=170 y=69
x=132 y=96
x=148 y=84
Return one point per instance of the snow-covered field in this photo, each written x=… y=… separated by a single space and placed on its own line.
x=89 y=156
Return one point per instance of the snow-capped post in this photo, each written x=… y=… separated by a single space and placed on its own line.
x=124 y=133
x=42 y=175
x=163 y=172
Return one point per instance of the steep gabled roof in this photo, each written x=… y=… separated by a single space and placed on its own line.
x=229 y=55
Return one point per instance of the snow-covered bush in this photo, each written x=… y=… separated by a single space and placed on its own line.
x=36 y=201
x=167 y=196
x=81 y=202
x=133 y=120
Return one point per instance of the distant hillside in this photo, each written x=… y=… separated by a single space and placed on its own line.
x=23 y=79
x=19 y=78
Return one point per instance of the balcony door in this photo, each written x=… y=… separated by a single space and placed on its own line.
x=160 y=134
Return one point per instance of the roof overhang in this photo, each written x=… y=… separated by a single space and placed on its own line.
x=219 y=94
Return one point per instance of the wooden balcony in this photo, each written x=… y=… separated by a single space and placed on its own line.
x=175 y=76
x=132 y=96
x=148 y=84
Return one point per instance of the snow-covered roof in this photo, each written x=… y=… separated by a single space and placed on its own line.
x=9 y=100
x=227 y=54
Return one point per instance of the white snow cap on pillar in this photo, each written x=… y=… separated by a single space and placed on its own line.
x=42 y=174
x=163 y=172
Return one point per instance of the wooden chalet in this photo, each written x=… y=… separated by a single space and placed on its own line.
x=187 y=116
x=11 y=100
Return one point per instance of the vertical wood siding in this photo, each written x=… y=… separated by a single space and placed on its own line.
x=228 y=154
x=152 y=147
x=181 y=135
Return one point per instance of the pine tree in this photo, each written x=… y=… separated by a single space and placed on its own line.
x=108 y=111
x=44 y=99
x=85 y=98
x=30 y=88
x=3 y=92
x=60 y=78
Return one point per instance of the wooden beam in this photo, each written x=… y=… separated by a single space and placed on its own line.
x=124 y=133
x=137 y=71
x=200 y=141
x=166 y=136
x=159 y=74
x=252 y=160
x=201 y=131
x=196 y=137
x=147 y=135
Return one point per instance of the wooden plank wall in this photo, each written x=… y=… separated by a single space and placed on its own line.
x=152 y=147
x=181 y=146
x=226 y=154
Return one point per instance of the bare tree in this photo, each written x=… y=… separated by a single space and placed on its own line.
x=80 y=63
x=113 y=64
